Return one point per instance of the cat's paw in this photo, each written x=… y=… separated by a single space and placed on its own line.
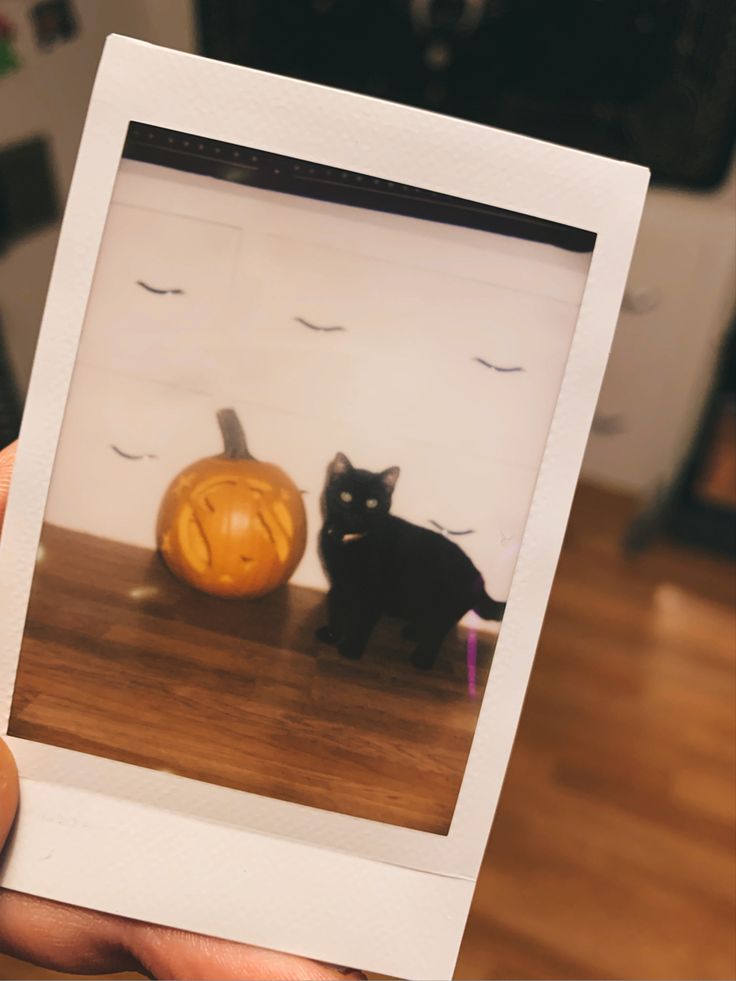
x=325 y=635
x=498 y=612
x=422 y=660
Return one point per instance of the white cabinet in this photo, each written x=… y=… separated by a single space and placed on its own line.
x=413 y=354
x=679 y=303
x=152 y=359
x=223 y=299
x=160 y=301
x=377 y=356
x=123 y=440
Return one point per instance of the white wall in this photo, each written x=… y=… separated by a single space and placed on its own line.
x=48 y=97
x=399 y=385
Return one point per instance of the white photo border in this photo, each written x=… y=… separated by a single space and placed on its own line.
x=387 y=898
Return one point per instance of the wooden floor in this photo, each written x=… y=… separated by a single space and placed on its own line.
x=121 y=660
x=612 y=853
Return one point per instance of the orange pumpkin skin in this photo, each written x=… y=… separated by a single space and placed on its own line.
x=230 y=525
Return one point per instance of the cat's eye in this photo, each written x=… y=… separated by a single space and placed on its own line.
x=346 y=496
x=372 y=502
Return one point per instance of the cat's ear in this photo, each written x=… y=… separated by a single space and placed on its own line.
x=339 y=465
x=389 y=478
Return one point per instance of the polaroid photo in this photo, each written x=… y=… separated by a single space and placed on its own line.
x=314 y=382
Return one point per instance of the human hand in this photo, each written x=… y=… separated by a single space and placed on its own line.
x=80 y=941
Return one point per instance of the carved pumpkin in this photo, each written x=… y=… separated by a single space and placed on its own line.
x=231 y=525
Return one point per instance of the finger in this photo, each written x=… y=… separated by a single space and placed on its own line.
x=7 y=459
x=8 y=791
x=60 y=937
x=168 y=953
x=79 y=941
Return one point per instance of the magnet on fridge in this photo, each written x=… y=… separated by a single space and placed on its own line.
x=28 y=194
x=54 y=22
x=9 y=60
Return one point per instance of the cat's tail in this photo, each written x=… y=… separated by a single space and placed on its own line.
x=486 y=607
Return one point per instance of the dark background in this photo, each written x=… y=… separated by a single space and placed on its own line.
x=653 y=81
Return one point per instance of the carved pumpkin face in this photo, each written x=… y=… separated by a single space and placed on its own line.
x=231 y=525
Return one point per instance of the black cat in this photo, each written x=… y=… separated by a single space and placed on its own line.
x=380 y=564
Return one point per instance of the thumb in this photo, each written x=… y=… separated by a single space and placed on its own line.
x=7 y=459
x=8 y=772
x=8 y=791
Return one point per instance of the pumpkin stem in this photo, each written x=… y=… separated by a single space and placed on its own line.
x=233 y=436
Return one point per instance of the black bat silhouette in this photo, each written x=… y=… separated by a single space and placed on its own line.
x=487 y=364
x=152 y=289
x=306 y=323
x=132 y=456
x=467 y=531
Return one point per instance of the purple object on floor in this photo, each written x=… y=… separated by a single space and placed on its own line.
x=472 y=660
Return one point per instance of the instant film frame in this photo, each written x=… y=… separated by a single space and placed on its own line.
x=154 y=846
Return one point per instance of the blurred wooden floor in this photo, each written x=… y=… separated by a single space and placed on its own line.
x=612 y=853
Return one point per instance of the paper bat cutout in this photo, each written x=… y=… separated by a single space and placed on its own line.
x=495 y=367
x=446 y=531
x=306 y=323
x=153 y=289
x=132 y=456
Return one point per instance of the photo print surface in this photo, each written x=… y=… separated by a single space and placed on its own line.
x=303 y=432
